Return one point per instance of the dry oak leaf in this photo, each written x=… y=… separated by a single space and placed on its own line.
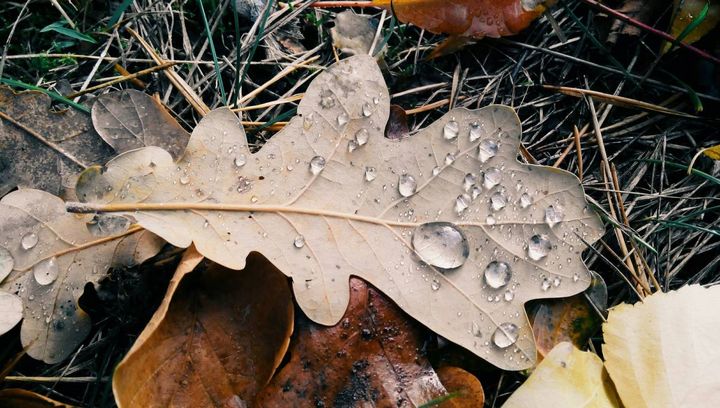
x=566 y=378
x=372 y=358
x=663 y=352
x=19 y=398
x=131 y=119
x=53 y=255
x=40 y=148
x=214 y=342
x=447 y=223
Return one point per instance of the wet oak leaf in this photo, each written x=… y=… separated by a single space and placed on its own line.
x=27 y=161
x=214 y=342
x=371 y=358
x=447 y=223
x=130 y=119
x=54 y=255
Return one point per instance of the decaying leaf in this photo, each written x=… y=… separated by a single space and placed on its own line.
x=54 y=255
x=397 y=124
x=43 y=147
x=566 y=378
x=131 y=119
x=19 y=398
x=447 y=223
x=215 y=342
x=371 y=358
x=663 y=352
x=464 y=389
x=686 y=12
x=467 y=18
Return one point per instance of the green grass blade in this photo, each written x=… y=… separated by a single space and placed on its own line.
x=261 y=30
x=212 y=51
x=59 y=27
x=695 y=23
x=119 y=12
x=54 y=95
x=694 y=172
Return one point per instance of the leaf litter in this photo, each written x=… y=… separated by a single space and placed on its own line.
x=447 y=223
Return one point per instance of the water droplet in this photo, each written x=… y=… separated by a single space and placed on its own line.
x=6 y=263
x=253 y=199
x=299 y=241
x=317 y=164
x=366 y=110
x=474 y=131
x=407 y=185
x=451 y=130
x=498 y=201
x=206 y=224
x=29 y=240
x=342 y=119
x=103 y=225
x=509 y=295
x=553 y=215
x=240 y=160
x=370 y=173
x=539 y=247
x=45 y=272
x=461 y=203
x=327 y=100
x=556 y=282
x=490 y=220
x=184 y=179
x=449 y=159
x=497 y=274
x=308 y=121
x=441 y=244
x=362 y=136
x=435 y=285
x=525 y=200
x=545 y=284
x=475 y=192
x=491 y=178
x=469 y=181
x=487 y=150
x=576 y=277
x=505 y=335
x=352 y=145
x=435 y=171
x=376 y=100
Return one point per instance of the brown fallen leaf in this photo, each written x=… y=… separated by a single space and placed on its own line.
x=397 y=124
x=371 y=357
x=214 y=342
x=132 y=119
x=464 y=388
x=447 y=223
x=645 y=11
x=40 y=148
x=19 y=398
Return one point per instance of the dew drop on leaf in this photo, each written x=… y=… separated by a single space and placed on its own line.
x=475 y=192
x=6 y=263
x=407 y=185
x=29 y=240
x=497 y=274
x=45 y=272
x=352 y=146
x=184 y=179
x=538 y=247
x=553 y=215
x=435 y=171
x=461 y=203
x=451 y=130
x=490 y=220
x=362 y=136
x=449 y=159
x=299 y=241
x=487 y=150
x=435 y=285
x=308 y=121
x=525 y=200
x=469 y=181
x=366 y=110
x=441 y=244
x=370 y=173
x=317 y=164
x=545 y=285
x=342 y=119
x=505 y=335
x=492 y=177
x=474 y=131
x=240 y=160
x=509 y=295
x=327 y=100
x=498 y=201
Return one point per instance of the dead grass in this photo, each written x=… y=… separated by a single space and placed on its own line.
x=662 y=224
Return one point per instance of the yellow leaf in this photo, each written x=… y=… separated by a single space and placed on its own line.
x=686 y=11
x=663 y=352
x=567 y=377
x=712 y=152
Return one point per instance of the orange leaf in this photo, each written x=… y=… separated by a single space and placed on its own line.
x=467 y=390
x=220 y=341
x=19 y=398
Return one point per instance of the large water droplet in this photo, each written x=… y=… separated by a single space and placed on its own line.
x=497 y=274
x=352 y=145
x=366 y=110
x=498 y=201
x=553 y=215
x=449 y=159
x=491 y=178
x=29 y=240
x=525 y=200
x=407 y=185
x=342 y=119
x=435 y=285
x=538 y=247
x=6 y=263
x=299 y=241
x=45 y=272
x=509 y=295
x=370 y=173
x=317 y=164
x=362 y=136
x=474 y=131
x=240 y=160
x=441 y=244
x=505 y=335
x=451 y=130
x=461 y=203
x=475 y=192
x=545 y=285
x=469 y=181
x=487 y=150
x=435 y=171
x=184 y=179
